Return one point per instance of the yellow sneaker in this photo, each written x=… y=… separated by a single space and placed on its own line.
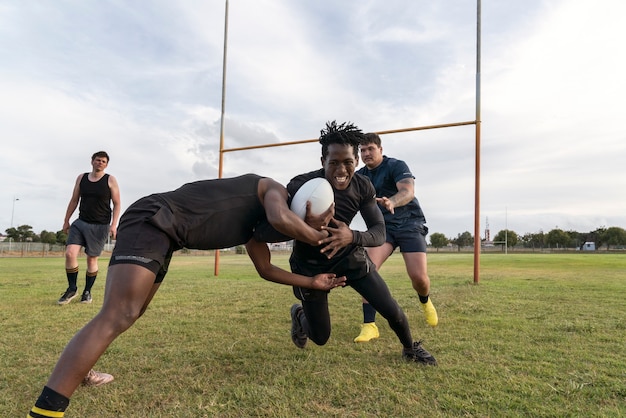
x=369 y=331
x=431 y=313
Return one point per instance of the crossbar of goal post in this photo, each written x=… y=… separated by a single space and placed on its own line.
x=476 y=122
x=306 y=141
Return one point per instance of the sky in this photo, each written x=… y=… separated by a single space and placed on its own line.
x=142 y=80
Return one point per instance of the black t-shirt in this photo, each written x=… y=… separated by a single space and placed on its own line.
x=358 y=196
x=210 y=214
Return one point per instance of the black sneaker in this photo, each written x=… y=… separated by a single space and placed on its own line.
x=86 y=297
x=418 y=354
x=298 y=336
x=67 y=296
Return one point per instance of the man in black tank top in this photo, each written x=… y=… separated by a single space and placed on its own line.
x=93 y=193
x=209 y=214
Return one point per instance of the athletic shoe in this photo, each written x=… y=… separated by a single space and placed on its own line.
x=369 y=331
x=298 y=336
x=86 y=297
x=67 y=297
x=430 y=312
x=95 y=378
x=418 y=354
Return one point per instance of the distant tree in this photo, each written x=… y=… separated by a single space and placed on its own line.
x=61 y=237
x=507 y=235
x=22 y=233
x=576 y=239
x=536 y=240
x=463 y=240
x=612 y=236
x=558 y=238
x=438 y=240
x=48 y=237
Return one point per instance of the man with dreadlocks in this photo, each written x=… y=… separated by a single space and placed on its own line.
x=353 y=193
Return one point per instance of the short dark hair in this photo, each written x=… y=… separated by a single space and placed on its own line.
x=100 y=154
x=345 y=134
x=371 y=138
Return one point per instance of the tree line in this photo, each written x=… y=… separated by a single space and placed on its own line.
x=557 y=238
x=25 y=233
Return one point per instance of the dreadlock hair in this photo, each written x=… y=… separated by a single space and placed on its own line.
x=344 y=134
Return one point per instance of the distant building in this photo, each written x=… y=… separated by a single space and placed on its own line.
x=589 y=246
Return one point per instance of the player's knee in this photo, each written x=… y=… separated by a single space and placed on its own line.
x=121 y=318
x=319 y=339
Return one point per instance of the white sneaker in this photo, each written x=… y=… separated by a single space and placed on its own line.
x=95 y=378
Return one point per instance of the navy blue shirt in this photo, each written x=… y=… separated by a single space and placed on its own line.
x=384 y=178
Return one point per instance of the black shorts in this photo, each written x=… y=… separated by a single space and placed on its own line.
x=141 y=243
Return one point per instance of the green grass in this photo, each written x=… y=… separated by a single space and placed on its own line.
x=541 y=335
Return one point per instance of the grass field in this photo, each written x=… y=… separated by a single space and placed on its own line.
x=541 y=335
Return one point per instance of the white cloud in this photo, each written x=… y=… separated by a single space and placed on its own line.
x=143 y=81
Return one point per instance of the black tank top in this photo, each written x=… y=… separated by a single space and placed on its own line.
x=95 y=200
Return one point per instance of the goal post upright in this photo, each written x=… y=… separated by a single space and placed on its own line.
x=477 y=242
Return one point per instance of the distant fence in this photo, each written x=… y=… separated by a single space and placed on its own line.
x=39 y=249
x=35 y=249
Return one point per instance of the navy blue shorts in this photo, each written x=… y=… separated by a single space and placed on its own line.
x=410 y=237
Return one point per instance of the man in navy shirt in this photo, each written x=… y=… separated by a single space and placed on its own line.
x=404 y=224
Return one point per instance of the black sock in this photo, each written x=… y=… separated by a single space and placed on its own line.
x=423 y=299
x=49 y=401
x=90 y=279
x=72 y=277
x=369 y=313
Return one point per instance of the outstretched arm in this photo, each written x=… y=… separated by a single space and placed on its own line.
x=274 y=198
x=406 y=193
x=260 y=255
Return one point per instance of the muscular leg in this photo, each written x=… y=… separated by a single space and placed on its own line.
x=416 y=267
x=129 y=289
x=369 y=330
x=71 y=255
x=379 y=255
x=92 y=264
x=373 y=288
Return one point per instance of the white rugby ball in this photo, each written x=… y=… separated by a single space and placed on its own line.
x=318 y=191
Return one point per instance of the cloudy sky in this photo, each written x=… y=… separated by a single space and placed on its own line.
x=143 y=79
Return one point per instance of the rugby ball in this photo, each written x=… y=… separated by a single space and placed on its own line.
x=318 y=191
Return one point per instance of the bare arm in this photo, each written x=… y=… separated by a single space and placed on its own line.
x=261 y=257
x=115 y=198
x=72 y=205
x=406 y=193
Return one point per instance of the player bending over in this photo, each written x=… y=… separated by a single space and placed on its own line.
x=208 y=214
